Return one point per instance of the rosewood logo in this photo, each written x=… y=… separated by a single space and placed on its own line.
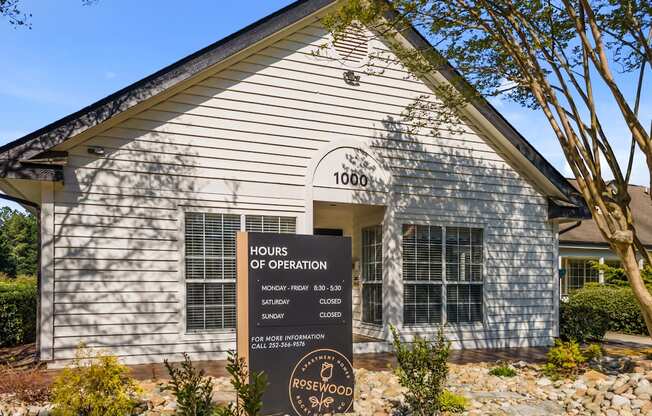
x=321 y=383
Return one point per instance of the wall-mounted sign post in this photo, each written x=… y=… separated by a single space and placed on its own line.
x=294 y=320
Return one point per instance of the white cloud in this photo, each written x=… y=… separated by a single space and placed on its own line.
x=110 y=75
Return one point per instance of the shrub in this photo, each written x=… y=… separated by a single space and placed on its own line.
x=452 y=403
x=422 y=370
x=249 y=389
x=192 y=389
x=593 y=352
x=615 y=276
x=17 y=310
x=595 y=302
x=94 y=385
x=581 y=322
x=564 y=359
x=503 y=370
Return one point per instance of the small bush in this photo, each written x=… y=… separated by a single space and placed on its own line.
x=565 y=359
x=503 y=370
x=452 y=403
x=593 y=352
x=249 y=389
x=192 y=389
x=594 y=309
x=94 y=385
x=17 y=310
x=422 y=370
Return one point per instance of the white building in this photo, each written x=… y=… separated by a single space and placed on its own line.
x=141 y=193
x=581 y=244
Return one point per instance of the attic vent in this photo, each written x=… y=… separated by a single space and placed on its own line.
x=352 y=44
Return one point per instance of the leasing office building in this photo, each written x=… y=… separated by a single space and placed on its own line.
x=141 y=194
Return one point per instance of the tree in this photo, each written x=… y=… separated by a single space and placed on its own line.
x=18 y=242
x=10 y=10
x=552 y=55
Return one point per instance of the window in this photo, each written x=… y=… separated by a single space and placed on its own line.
x=372 y=275
x=270 y=224
x=210 y=268
x=463 y=274
x=422 y=274
x=580 y=272
x=442 y=272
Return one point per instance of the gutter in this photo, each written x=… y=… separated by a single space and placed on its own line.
x=572 y=227
x=37 y=208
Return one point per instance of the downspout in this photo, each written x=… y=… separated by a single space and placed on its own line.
x=37 y=208
x=572 y=227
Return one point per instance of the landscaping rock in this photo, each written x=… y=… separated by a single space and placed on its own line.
x=378 y=394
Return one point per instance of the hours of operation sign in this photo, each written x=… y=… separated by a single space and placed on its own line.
x=294 y=320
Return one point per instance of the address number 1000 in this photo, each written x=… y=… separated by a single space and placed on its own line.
x=354 y=179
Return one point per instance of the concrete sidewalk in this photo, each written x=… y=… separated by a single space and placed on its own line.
x=639 y=341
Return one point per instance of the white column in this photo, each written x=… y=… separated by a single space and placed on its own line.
x=556 y=293
x=601 y=274
x=47 y=272
x=392 y=282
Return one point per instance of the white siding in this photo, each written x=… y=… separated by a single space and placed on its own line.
x=241 y=141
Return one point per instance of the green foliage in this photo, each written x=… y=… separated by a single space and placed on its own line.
x=593 y=352
x=564 y=359
x=503 y=370
x=422 y=370
x=249 y=389
x=18 y=243
x=590 y=309
x=95 y=385
x=581 y=322
x=17 y=310
x=615 y=276
x=192 y=389
x=452 y=403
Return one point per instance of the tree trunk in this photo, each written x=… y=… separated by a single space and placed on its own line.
x=627 y=254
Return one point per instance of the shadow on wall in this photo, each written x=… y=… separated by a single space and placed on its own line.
x=439 y=178
x=117 y=220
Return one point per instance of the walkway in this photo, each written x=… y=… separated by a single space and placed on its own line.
x=628 y=340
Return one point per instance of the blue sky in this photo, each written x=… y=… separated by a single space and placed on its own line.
x=75 y=55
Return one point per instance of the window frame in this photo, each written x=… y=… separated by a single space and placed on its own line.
x=566 y=264
x=227 y=333
x=444 y=301
x=372 y=282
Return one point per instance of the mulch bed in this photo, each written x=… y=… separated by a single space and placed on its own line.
x=21 y=357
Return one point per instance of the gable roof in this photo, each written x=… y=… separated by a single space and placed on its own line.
x=588 y=234
x=29 y=154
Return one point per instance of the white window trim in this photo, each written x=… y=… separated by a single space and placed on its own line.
x=223 y=334
x=462 y=325
x=379 y=282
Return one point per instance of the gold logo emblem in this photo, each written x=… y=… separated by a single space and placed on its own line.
x=322 y=383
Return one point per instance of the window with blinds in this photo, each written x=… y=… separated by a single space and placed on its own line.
x=210 y=268
x=442 y=274
x=422 y=274
x=372 y=274
x=270 y=224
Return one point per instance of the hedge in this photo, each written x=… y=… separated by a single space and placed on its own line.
x=594 y=309
x=17 y=311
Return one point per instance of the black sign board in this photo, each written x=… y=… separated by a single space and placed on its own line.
x=294 y=320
